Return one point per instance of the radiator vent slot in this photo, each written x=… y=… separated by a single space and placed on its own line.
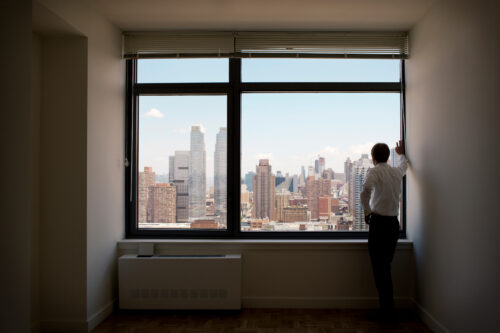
x=179 y=293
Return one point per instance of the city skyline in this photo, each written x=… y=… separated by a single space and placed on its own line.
x=313 y=166
x=317 y=164
x=321 y=203
x=297 y=141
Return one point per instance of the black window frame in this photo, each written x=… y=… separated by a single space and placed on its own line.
x=233 y=89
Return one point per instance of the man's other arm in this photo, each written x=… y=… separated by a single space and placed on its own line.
x=403 y=165
x=403 y=161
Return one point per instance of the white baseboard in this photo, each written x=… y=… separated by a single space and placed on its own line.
x=78 y=326
x=318 y=302
x=428 y=319
x=100 y=315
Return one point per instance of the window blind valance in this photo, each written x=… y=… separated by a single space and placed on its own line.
x=266 y=44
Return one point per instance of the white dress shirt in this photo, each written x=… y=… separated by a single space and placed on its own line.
x=382 y=188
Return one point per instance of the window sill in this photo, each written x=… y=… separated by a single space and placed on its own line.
x=176 y=245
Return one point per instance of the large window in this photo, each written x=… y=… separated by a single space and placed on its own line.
x=260 y=148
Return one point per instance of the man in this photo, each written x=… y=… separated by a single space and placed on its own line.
x=380 y=199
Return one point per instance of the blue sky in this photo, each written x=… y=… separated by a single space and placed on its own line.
x=269 y=70
x=289 y=129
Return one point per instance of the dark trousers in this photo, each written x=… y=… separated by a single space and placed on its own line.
x=382 y=239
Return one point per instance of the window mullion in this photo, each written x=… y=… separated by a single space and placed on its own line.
x=234 y=146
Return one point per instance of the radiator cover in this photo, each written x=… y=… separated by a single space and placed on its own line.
x=180 y=282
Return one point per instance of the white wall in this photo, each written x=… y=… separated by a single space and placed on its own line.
x=63 y=179
x=105 y=163
x=102 y=165
x=453 y=121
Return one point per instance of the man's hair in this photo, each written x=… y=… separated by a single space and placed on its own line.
x=380 y=152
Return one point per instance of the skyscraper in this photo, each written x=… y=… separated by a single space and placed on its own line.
x=171 y=167
x=302 y=181
x=312 y=193
x=249 y=180
x=279 y=178
x=181 y=180
x=324 y=208
x=286 y=185
x=325 y=187
x=347 y=169
x=282 y=201
x=146 y=179
x=220 y=174
x=263 y=186
x=295 y=183
x=197 y=176
x=156 y=201
x=161 y=203
x=310 y=171
x=347 y=173
x=358 y=173
x=328 y=174
x=321 y=165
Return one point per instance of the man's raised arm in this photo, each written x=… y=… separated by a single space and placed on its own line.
x=403 y=161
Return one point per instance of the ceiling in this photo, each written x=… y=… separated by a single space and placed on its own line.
x=239 y=15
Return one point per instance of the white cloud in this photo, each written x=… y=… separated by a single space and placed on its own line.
x=154 y=113
x=334 y=157
x=364 y=148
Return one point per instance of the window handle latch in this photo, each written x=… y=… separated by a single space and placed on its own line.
x=127 y=163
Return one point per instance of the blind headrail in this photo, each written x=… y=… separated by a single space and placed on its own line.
x=266 y=44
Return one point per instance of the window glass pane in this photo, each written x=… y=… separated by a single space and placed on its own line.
x=182 y=162
x=305 y=155
x=182 y=70
x=320 y=70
